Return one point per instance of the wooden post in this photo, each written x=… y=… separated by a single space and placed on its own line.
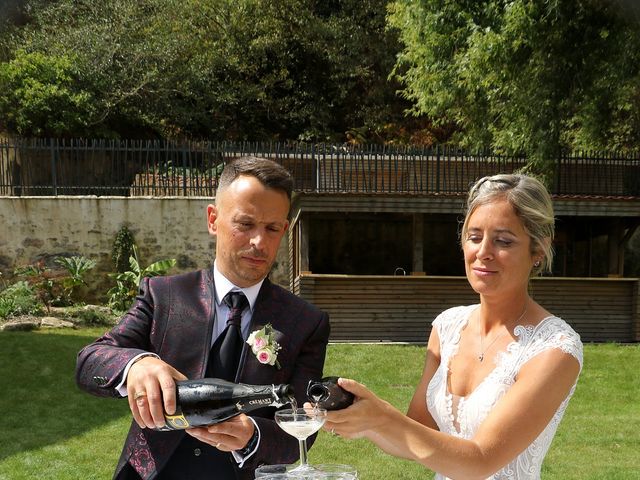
x=303 y=254
x=614 y=246
x=418 y=244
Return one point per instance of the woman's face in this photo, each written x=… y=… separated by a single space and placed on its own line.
x=497 y=250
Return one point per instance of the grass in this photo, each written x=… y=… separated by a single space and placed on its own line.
x=50 y=429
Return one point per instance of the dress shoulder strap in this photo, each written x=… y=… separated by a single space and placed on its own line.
x=450 y=323
x=551 y=332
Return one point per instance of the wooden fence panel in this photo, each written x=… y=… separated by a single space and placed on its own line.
x=401 y=309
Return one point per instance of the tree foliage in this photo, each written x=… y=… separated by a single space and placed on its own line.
x=223 y=69
x=526 y=76
x=40 y=96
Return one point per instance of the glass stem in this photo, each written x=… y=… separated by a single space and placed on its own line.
x=303 y=452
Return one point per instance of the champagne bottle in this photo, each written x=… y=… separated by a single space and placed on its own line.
x=328 y=394
x=212 y=400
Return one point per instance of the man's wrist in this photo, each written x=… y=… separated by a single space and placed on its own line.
x=251 y=444
x=121 y=388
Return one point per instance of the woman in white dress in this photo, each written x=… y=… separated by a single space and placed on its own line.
x=499 y=374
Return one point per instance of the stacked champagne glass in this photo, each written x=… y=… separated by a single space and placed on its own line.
x=304 y=422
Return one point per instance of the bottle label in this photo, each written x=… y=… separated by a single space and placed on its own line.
x=260 y=401
x=177 y=422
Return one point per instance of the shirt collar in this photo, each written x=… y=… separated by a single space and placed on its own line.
x=224 y=286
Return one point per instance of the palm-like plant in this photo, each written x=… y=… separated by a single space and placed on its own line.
x=124 y=292
x=76 y=267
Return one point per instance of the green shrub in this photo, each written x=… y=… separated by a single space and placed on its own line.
x=19 y=299
x=55 y=288
x=7 y=307
x=122 y=249
x=91 y=315
x=45 y=284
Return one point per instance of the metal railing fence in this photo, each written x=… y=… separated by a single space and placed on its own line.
x=162 y=168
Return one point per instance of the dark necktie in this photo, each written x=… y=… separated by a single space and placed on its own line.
x=225 y=353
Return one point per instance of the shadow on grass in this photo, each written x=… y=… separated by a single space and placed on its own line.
x=39 y=400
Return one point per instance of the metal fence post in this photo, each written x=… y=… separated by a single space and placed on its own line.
x=54 y=179
x=437 y=186
x=184 y=171
x=315 y=161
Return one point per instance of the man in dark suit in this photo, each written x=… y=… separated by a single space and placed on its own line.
x=175 y=327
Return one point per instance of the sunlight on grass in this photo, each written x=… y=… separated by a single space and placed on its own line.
x=91 y=455
x=50 y=426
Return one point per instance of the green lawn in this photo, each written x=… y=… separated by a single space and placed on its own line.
x=52 y=430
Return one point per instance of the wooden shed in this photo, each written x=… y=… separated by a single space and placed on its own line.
x=400 y=305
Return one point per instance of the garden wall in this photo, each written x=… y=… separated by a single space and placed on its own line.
x=37 y=228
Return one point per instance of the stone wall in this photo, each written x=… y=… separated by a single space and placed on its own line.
x=35 y=228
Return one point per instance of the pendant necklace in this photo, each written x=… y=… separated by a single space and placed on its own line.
x=484 y=350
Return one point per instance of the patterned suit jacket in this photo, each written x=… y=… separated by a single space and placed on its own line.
x=173 y=317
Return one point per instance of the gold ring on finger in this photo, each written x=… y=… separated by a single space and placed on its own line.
x=138 y=395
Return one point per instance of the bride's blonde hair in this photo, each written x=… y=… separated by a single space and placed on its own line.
x=530 y=201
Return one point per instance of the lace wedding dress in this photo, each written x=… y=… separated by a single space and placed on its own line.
x=461 y=416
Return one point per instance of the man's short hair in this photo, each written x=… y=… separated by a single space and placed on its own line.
x=269 y=173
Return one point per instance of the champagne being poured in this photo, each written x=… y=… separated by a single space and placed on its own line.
x=327 y=394
x=210 y=400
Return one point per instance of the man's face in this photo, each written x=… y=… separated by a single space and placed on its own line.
x=248 y=221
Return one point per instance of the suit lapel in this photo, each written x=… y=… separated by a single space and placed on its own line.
x=212 y=320
x=266 y=311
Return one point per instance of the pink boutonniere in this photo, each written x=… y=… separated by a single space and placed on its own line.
x=264 y=346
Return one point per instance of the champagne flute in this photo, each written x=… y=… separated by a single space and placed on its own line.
x=301 y=423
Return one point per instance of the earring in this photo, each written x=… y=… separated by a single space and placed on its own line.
x=537 y=263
